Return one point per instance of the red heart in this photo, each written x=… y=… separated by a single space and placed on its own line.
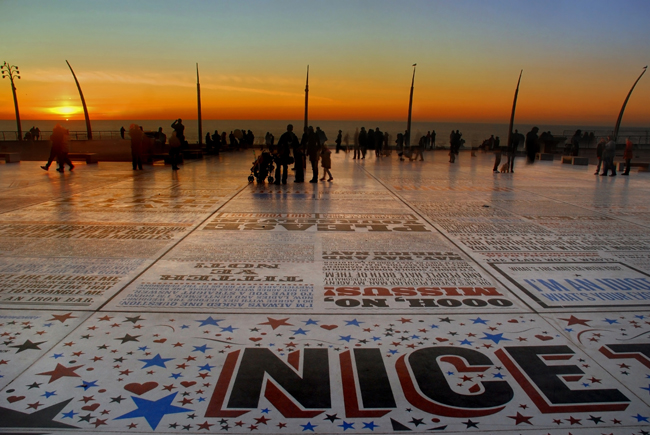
x=188 y=384
x=442 y=340
x=90 y=407
x=329 y=327
x=13 y=399
x=513 y=321
x=255 y=338
x=544 y=337
x=140 y=389
x=162 y=340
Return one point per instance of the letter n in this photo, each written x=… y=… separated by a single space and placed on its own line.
x=373 y=385
x=293 y=394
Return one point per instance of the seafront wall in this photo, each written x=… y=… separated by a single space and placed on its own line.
x=107 y=150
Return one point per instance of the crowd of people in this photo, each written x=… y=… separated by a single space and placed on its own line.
x=312 y=146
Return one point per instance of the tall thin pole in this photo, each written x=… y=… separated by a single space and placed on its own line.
x=512 y=114
x=620 y=115
x=408 y=124
x=307 y=100
x=198 y=103
x=11 y=71
x=89 y=131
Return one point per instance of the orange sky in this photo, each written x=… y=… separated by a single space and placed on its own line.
x=469 y=55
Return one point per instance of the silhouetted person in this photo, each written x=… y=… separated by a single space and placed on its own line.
x=356 y=145
x=379 y=141
x=627 y=155
x=122 y=131
x=497 y=154
x=326 y=162
x=216 y=141
x=137 y=137
x=321 y=136
x=174 y=151
x=433 y=139
x=608 y=156
x=58 y=152
x=363 y=142
x=599 y=154
x=313 y=152
x=532 y=143
x=338 y=141
x=179 y=128
x=287 y=141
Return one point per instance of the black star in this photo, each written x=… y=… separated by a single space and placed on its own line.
x=28 y=345
x=225 y=427
x=103 y=346
x=173 y=425
x=417 y=421
x=120 y=359
x=596 y=420
x=223 y=421
x=117 y=399
x=128 y=337
x=254 y=329
x=188 y=427
x=469 y=423
x=133 y=319
x=446 y=319
x=34 y=385
x=85 y=417
x=40 y=419
x=331 y=418
x=191 y=416
x=87 y=337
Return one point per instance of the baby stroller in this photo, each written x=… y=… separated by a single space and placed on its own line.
x=262 y=167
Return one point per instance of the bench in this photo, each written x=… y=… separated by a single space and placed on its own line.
x=583 y=161
x=544 y=156
x=88 y=157
x=643 y=166
x=10 y=157
x=567 y=159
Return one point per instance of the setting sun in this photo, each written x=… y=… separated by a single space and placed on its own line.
x=65 y=110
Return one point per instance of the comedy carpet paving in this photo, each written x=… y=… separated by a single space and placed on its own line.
x=414 y=297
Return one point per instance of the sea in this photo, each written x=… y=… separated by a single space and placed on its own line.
x=473 y=133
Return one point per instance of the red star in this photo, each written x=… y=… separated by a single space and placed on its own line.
x=185 y=401
x=520 y=418
x=291 y=344
x=78 y=353
x=69 y=344
x=203 y=375
x=276 y=322
x=573 y=420
x=34 y=405
x=616 y=421
x=190 y=358
x=62 y=317
x=575 y=321
x=403 y=320
x=179 y=345
x=594 y=380
x=466 y=378
x=61 y=371
x=252 y=427
x=87 y=399
x=99 y=422
x=239 y=423
x=2 y=361
x=97 y=358
x=181 y=366
x=105 y=318
x=281 y=425
x=92 y=328
x=40 y=332
x=126 y=372
x=169 y=387
x=262 y=420
x=205 y=425
x=133 y=425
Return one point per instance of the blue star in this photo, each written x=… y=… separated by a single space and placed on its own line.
x=228 y=329
x=300 y=331
x=393 y=351
x=265 y=411
x=376 y=338
x=415 y=337
x=450 y=373
x=57 y=355
x=209 y=321
x=345 y=338
x=346 y=425
x=47 y=325
x=498 y=375
x=184 y=326
x=568 y=329
x=50 y=393
x=584 y=384
x=201 y=399
x=201 y=348
x=647 y=389
x=370 y=425
x=479 y=320
x=143 y=348
x=308 y=426
x=640 y=418
x=494 y=337
x=640 y=316
x=610 y=321
x=207 y=367
x=433 y=326
x=85 y=385
x=176 y=375
x=354 y=322
x=466 y=341
x=153 y=411
x=310 y=322
x=70 y=414
x=155 y=361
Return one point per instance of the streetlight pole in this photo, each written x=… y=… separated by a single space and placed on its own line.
x=11 y=71
x=408 y=124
